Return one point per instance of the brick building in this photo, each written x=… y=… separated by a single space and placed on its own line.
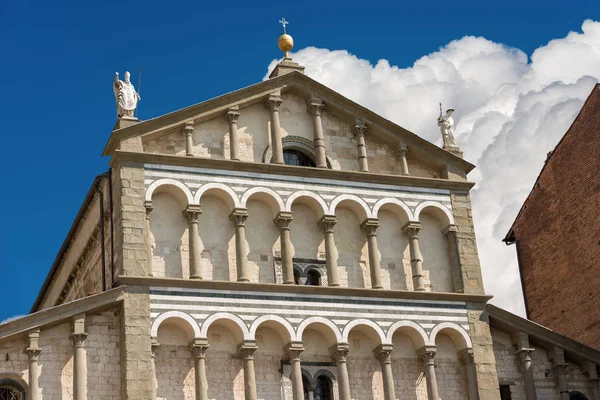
x=279 y=242
x=557 y=233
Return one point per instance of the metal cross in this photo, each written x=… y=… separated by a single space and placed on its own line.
x=283 y=22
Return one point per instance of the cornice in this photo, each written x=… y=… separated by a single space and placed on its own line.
x=132 y=281
x=276 y=169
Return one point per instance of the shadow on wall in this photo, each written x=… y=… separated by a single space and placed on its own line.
x=56 y=363
x=262 y=235
x=174 y=364
x=350 y=242
x=168 y=226
x=216 y=234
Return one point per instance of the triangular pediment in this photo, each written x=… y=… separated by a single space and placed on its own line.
x=164 y=134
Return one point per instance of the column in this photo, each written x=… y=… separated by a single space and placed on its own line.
x=199 y=348
x=283 y=221
x=154 y=347
x=593 y=375
x=467 y=358
x=402 y=151
x=273 y=104
x=246 y=350
x=326 y=225
x=450 y=233
x=557 y=355
x=149 y=252
x=384 y=354
x=191 y=213
x=315 y=106
x=416 y=258
x=524 y=351
x=78 y=337
x=294 y=350
x=33 y=351
x=339 y=352
x=188 y=129
x=427 y=353
x=239 y=216
x=232 y=117
x=359 y=133
x=370 y=226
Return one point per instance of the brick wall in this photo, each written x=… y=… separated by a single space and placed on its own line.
x=558 y=233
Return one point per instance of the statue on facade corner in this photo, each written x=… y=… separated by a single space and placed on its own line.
x=446 y=124
x=125 y=95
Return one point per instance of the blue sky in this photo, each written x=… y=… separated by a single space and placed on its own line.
x=59 y=59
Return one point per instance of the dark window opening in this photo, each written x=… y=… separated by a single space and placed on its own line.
x=293 y=157
x=313 y=278
x=10 y=390
x=577 y=396
x=505 y=392
x=323 y=391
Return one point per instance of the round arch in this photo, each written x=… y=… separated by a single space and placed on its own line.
x=231 y=320
x=411 y=329
x=395 y=205
x=229 y=194
x=170 y=186
x=439 y=210
x=458 y=335
x=373 y=331
x=322 y=206
x=284 y=328
x=358 y=205
x=265 y=192
x=334 y=331
x=14 y=382
x=175 y=315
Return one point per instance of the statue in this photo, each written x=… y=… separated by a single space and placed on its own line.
x=446 y=123
x=126 y=96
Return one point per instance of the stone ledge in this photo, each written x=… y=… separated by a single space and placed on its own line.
x=316 y=290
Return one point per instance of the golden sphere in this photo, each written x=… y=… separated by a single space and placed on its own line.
x=285 y=42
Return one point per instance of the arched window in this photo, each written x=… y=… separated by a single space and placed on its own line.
x=295 y=157
x=10 y=390
x=323 y=391
x=313 y=278
x=577 y=396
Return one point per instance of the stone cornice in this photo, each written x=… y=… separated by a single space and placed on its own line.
x=298 y=289
x=575 y=350
x=199 y=162
x=63 y=313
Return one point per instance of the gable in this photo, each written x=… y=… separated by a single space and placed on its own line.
x=164 y=135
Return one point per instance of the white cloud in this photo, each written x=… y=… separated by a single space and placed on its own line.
x=510 y=112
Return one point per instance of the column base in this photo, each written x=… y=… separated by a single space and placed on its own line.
x=243 y=280
x=377 y=287
x=334 y=285
x=196 y=277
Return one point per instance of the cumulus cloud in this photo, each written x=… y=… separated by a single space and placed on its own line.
x=510 y=111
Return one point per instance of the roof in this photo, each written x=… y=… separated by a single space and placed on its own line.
x=213 y=107
x=593 y=102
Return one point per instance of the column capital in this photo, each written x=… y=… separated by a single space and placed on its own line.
x=294 y=349
x=199 y=347
x=402 y=149
x=192 y=212
x=283 y=220
x=412 y=228
x=450 y=230
x=370 y=226
x=148 y=206
x=339 y=351
x=590 y=368
x=383 y=353
x=239 y=216
x=154 y=345
x=427 y=353
x=33 y=353
x=359 y=127
x=274 y=101
x=233 y=113
x=188 y=127
x=327 y=222
x=466 y=356
x=557 y=355
x=78 y=339
x=524 y=353
x=315 y=105
x=246 y=349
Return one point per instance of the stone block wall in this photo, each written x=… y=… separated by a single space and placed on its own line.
x=483 y=350
x=102 y=356
x=507 y=364
x=175 y=373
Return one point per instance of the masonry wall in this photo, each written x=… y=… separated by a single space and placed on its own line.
x=224 y=371
x=507 y=364
x=557 y=233
x=211 y=139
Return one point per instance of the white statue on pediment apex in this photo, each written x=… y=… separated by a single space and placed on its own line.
x=125 y=95
x=446 y=124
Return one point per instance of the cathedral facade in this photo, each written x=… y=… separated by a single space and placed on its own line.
x=279 y=242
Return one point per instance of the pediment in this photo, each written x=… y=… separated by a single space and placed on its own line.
x=296 y=89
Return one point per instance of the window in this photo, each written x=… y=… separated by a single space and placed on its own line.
x=293 y=157
x=323 y=390
x=10 y=390
x=313 y=278
x=577 y=396
x=505 y=392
